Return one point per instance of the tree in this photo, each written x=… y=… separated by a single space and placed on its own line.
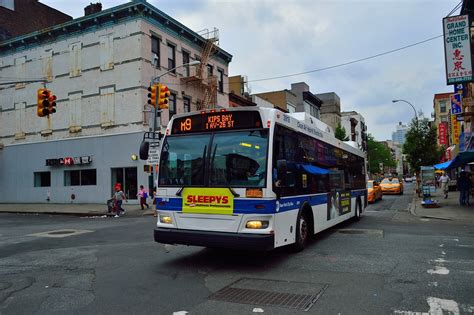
x=378 y=153
x=421 y=145
x=340 y=133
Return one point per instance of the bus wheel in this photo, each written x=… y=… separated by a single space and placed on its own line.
x=302 y=232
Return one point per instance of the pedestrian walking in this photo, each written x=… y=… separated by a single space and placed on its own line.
x=119 y=197
x=142 y=194
x=444 y=181
x=464 y=187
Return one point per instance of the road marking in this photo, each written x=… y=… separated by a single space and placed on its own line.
x=60 y=233
x=439 y=270
x=437 y=307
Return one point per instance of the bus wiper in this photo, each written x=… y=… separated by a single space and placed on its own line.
x=179 y=192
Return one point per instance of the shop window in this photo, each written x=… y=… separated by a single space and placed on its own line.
x=42 y=179
x=80 y=177
x=127 y=178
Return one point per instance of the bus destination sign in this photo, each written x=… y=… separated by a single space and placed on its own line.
x=209 y=122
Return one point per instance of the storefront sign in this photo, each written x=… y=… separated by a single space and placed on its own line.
x=208 y=200
x=457 y=49
x=69 y=161
x=456 y=104
x=442 y=133
x=455 y=130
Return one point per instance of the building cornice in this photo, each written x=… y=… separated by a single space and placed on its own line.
x=136 y=9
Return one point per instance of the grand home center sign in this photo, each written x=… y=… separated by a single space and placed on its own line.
x=457 y=49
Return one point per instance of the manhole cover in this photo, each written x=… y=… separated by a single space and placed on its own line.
x=60 y=233
x=294 y=295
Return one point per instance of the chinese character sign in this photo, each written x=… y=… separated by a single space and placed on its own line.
x=457 y=49
x=442 y=133
x=455 y=130
x=456 y=106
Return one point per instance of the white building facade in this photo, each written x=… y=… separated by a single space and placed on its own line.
x=99 y=67
x=354 y=124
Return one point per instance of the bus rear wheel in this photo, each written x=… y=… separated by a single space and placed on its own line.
x=302 y=232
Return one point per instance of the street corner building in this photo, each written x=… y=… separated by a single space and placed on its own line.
x=99 y=67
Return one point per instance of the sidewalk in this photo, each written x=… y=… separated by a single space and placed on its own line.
x=72 y=209
x=448 y=209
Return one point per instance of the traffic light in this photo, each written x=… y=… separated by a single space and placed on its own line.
x=46 y=103
x=42 y=103
x=152 y=94
x=163 y=96
x=51 y=102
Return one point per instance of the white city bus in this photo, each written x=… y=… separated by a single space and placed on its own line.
x=254 y=179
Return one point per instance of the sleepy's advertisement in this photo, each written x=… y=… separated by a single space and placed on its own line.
x=208 y=201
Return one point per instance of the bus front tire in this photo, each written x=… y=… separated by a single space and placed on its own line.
x=302 y=232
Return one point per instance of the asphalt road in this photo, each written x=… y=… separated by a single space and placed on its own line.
x=388 y=262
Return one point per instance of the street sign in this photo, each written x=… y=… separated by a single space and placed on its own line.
x=153 y=153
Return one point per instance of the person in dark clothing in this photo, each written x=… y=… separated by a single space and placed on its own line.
x=464 y=186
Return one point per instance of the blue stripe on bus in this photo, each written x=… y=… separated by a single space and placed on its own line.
x=255 y=206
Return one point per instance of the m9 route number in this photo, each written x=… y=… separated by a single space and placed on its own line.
x=186 y=125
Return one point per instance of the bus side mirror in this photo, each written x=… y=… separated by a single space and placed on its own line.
x=144 y=150
x=281 y=172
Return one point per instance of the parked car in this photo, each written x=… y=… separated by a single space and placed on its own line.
x=408 y=179
x=374 y=191
x=392 y=186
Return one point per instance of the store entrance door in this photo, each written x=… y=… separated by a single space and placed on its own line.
x=127 y=177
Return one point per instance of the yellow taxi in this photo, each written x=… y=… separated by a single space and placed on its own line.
x=374 y=191
x=392 y=186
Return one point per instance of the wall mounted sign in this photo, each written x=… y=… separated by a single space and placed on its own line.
x=69 y=161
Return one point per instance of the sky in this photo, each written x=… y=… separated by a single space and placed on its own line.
x=276 y=38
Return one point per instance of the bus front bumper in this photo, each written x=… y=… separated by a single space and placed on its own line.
x=253 y=242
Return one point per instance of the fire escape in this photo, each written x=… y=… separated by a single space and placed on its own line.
x=204 y=82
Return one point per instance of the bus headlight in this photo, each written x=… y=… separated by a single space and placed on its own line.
x=166 y=219
x=256 y=224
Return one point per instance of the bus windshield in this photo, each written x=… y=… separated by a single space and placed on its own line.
x=233 y=159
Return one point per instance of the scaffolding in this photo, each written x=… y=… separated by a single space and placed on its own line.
x=204 y=82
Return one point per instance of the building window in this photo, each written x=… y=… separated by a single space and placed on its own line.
x=210 y=71
x=291 y=108
x=42 y=179
x=186 y=104
x=172 y=104
x=155 y=51
x=80 y=177
x=186 y=61
x=442 y=107
x=220 y=80
x=171 y=58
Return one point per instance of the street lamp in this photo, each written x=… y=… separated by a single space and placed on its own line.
x=416 y=115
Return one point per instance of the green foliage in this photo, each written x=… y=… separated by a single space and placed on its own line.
x=421 y=146
x=378 y=153
x=340 y=133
